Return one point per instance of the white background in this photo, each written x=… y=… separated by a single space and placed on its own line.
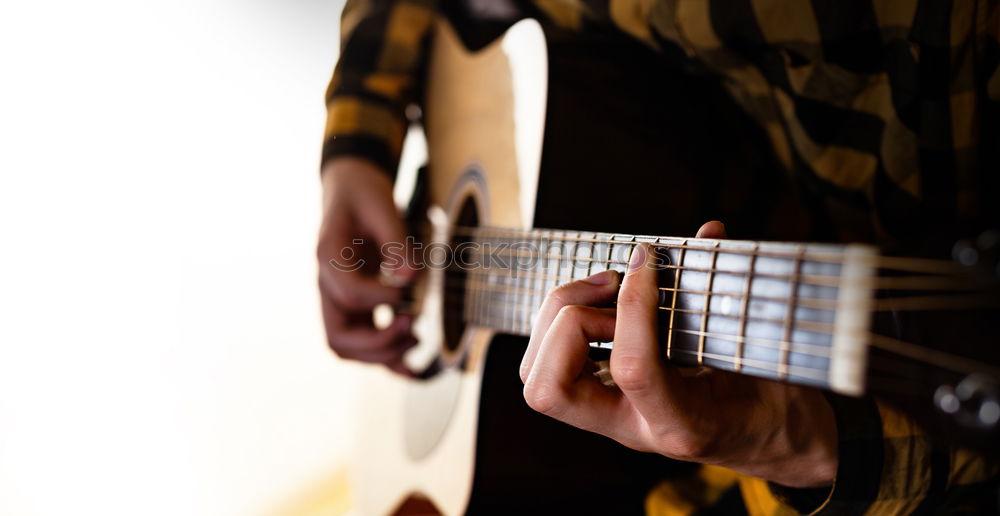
x=161 y=350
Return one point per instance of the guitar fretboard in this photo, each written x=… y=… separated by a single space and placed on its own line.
x=791 y=312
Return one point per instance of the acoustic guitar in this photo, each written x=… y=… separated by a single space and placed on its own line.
x=807 y=314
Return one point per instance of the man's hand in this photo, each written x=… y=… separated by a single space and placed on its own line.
x=359 y=218
x=777 y=432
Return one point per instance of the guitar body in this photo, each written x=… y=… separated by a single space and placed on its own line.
x=462 y=439
x=419 y=436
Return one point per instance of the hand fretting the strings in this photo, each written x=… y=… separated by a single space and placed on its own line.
x=771 y=309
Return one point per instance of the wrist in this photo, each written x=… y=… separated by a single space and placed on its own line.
x=810 y=442
x=800 y=452
x=350 y=172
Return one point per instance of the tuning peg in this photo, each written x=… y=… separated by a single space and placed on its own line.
x=974 y=402
x=965 y=253
x=982 y=253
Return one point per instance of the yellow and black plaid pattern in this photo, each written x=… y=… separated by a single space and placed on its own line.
x=888 y=110
x=887 y=465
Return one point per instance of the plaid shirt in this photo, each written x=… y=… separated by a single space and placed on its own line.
x=887 y=110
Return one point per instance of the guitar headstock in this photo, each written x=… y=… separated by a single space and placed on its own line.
x=935 y=349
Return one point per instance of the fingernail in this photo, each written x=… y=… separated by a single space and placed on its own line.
x=601 y=278
x=638 y=257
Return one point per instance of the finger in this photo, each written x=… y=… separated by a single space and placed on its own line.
x=560 y=383
x=345 y=338
x=342 y=275
x=378 y=217
x=387 y=356
x=637 y=364
x=599 y=288
x=712 y=229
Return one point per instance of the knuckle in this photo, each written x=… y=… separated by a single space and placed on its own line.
x=690 y=447
x=383 y=339
x=559 y=296
x=572 y=313
x=349 y=297
x=630 y=374
x=543 y=397
x=632 y=298
x=523 y=373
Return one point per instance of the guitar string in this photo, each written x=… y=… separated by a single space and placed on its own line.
x=802 y=324
x=816 y=303
x=913 y=351
x=931 y=356
x=898 y=304
x=760 y=342
x=819 y=280
x=818 y=351
x=886 y=262
x=944 y=360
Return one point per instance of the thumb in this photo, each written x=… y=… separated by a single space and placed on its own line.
x=381 y=220
x=713 y=229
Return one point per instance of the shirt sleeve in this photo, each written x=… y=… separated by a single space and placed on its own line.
x=383 y=45
x=887 y=465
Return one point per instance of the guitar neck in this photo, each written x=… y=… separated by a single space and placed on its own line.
x=792 y=312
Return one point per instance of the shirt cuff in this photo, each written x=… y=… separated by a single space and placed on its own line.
x=358 y=126
x=362 y=146
x=859 y=463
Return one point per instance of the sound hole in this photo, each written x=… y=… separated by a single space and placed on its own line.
x=456 y=274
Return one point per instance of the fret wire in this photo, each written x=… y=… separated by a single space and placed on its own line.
x=673 y=302
x=530 y=298
x=504 y=312
x=480 y=291
x=534 y=284
x=610 y=244
x=516 y=286
x=546 y=264
x=473 y=299
x=516 y=279
x=573 y=258
x=786 y=331
x=517 y=322
x=480 y=304
x=590 y=261
x=466 y=286
x=558 y=269
x=631 y=240
x=483 y=306
x=708 y=297
x=483 y=303
x=743 y=310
